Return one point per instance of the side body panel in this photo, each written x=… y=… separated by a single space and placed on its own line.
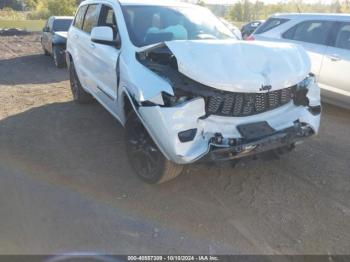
x=50 y=35
x=316 y=53
x=330 y=65
x=47 y=36
x=334 y=76
x=79 y=49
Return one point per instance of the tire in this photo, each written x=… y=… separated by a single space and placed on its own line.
x=79 y=94
x=58 y=57
x=144 y=156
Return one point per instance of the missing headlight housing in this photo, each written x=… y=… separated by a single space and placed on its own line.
x=310 y=79
x=301 y=90
x=178 y=98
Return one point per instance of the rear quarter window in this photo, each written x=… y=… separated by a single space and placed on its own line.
x=270 y=24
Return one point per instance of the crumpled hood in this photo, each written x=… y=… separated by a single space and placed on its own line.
x=240 y=66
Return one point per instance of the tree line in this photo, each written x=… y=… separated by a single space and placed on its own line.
x=241 y=11
x=245 y=10
x=41 y=9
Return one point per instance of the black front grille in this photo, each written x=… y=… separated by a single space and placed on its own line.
x=246 y=104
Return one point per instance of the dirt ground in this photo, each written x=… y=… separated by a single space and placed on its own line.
x=66 y=186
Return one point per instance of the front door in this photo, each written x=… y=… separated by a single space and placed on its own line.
x=105 y=58
x=313 y=36
x=335 y=72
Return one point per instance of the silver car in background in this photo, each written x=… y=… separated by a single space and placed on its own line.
x=234 y=29
x=326 y=38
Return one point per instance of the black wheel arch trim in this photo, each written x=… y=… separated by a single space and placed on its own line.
x=135 y=107
x=69 y=58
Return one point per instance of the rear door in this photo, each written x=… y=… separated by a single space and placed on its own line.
x=313 y=35
x=86 y=19
x=335 y=72
x=75 y=43
x=87 y=47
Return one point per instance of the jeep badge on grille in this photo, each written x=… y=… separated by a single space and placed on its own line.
x=265 y=88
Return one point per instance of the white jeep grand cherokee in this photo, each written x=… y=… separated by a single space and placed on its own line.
x=184 y=88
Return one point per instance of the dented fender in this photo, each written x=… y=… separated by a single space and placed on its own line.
x=164 y=124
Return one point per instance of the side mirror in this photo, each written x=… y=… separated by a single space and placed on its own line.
x=104 y=35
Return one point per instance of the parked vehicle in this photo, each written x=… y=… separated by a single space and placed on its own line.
x=250 y=27
x=326 y=38
x=234 y=29
x=54 y=38
x=13 y=31
x=184 y=89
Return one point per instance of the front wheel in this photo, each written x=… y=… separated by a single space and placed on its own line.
x=144 y=156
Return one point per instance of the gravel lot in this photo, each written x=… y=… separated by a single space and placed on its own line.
x=66 y=186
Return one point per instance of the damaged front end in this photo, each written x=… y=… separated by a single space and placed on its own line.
x=201 y=121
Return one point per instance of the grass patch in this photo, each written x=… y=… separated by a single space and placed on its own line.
x=29 y=25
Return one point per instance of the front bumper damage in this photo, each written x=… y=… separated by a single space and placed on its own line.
x=218 y=138
x=203 y=116
x=284 y=139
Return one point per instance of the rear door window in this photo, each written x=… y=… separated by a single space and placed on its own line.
x=342 y=39
x=91 y=18
x=270 y=24
x=79 y=17
x=315 y=32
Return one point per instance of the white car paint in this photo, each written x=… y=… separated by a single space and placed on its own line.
x=233 y=66
x=171 y=121
x=251 y=64
x=331 y=65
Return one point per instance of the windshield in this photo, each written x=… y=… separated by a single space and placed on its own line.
x=154 y=24
x=62 y=24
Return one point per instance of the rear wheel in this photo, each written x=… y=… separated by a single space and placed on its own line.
x=144 y=156
x=58 y=57
x=79 y=94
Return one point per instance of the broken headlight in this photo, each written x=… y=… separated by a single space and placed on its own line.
x=300 y=92
x=178 y=98
x=310 y=79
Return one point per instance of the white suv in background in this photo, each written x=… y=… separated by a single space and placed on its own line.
x=326 y=38
x=184 y=88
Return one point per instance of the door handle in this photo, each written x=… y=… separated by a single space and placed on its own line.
x=334 y=58
x=76 y=36
x=92 y=46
